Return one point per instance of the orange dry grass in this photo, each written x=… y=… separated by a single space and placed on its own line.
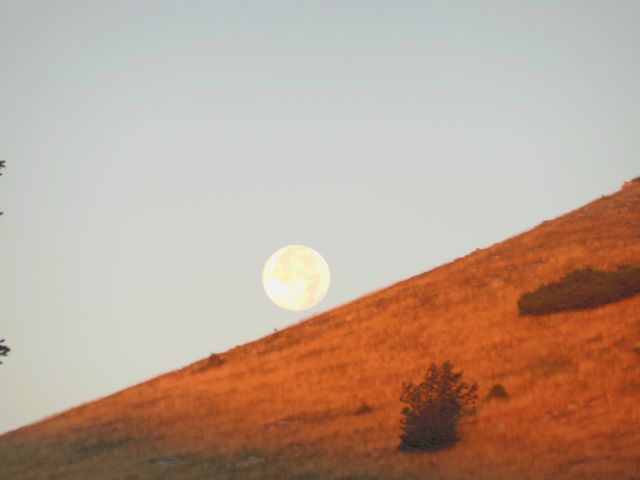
x=291 y=398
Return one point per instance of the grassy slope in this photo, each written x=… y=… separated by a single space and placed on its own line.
x=291 y=398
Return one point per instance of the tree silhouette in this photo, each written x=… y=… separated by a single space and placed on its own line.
x=3 y=350
x=434 y=408
x=2 y=165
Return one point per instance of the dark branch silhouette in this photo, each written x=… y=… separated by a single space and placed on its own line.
x=3 y=349
x=2 y=165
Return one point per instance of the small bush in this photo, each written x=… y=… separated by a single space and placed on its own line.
x=580 y=290
x=363 y=409
x=215 y=360
x=434 y=408
x=498 y=391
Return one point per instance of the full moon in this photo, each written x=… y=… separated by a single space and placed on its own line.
x=296 y=277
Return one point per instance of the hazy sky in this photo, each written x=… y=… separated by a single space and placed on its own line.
x=158 y=152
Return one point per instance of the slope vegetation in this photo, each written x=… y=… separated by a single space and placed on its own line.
x=321 y=399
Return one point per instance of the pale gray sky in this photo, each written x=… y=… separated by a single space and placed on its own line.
x=159 y=151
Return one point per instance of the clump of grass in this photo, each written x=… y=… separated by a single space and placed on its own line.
x=363 y=409
x=582 y=289
x=213 y=361
x=102 y=446
x=552 y=364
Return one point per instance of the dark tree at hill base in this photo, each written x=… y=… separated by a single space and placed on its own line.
x=434 y=408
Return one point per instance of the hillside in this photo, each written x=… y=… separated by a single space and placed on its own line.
x=288 y=405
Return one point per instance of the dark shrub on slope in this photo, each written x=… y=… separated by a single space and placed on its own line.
x=582 y=289
x=434 y=408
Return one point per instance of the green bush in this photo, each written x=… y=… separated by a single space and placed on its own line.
x=434 y=408
x=582 y=289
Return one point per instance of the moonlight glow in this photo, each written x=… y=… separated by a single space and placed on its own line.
x=296 y=277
